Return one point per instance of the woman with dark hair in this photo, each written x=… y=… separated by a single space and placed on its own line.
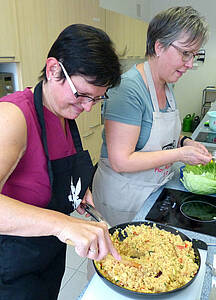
x=45 y=173
x=142 y=138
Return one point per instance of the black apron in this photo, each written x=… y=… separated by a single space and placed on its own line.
x=31 y=268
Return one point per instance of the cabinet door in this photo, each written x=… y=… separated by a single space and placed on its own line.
x=40 y=22
x=92 y=142
x=32 y=23
x=128 y=34
x=89 y=124
x=116 y=27
x=9 y=49
x=139 y=38
x=88 y=12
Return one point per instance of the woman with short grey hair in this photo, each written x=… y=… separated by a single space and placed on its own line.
x=169 y=25
x=142 y=138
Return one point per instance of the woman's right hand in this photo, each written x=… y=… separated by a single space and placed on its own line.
x=90 y=239
x=194 y=155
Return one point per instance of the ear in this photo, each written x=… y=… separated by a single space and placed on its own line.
x=158 y=48
x=52 y=68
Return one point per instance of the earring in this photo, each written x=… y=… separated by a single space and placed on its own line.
x=49 y=78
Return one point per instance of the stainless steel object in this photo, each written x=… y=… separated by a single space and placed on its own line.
x=94 y=213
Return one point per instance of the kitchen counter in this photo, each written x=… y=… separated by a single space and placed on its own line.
x=176 y=184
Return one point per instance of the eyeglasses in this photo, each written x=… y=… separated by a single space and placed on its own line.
x=186 y=55
x=88 y=98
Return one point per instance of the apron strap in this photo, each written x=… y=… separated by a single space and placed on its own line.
x=40 y=114
x=152 y=90
x=75 y=135
x=39 y=109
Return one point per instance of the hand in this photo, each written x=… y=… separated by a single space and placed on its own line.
x=90 y=239
x=193 y=143
x=194 y=155
x=86 y=199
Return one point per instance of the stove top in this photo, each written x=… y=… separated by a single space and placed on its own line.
x=185 y=210
x=206 y=137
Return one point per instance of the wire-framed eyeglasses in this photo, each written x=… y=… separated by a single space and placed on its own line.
x=186 y=55
x=77 y=95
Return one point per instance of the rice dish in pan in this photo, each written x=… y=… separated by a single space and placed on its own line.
x=153 y=260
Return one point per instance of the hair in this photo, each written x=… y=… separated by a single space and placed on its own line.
x=169 y=25
x=87 y=51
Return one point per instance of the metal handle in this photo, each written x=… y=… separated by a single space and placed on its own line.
x=94 y=213
x=94 y=126
x=11 y=57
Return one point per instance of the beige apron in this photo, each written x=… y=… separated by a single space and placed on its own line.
x=119 y=196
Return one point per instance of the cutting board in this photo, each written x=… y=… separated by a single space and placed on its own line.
x=98 y=290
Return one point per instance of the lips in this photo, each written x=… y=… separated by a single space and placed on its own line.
x=180 y=72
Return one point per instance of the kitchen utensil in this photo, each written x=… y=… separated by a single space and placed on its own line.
x=212 y=120
x=134 y=294
x=94 y=213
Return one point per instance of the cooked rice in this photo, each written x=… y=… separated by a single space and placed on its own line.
x=165 y=261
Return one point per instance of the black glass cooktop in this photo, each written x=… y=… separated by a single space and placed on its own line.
x=206 y=137
x=185 y=210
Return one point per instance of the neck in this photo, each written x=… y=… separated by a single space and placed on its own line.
x=47 y=99
x=158 y=82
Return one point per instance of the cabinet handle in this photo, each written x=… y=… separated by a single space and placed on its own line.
x=93 y=126
x=84 y=136
x=11 y=57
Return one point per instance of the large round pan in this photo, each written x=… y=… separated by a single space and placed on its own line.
x=133 y=294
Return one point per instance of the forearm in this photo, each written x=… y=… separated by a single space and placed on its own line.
x=141 y=161
x=22 y=219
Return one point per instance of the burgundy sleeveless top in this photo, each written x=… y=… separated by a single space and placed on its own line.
x=29 y=182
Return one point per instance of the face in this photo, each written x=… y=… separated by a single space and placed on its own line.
x=64 y=103
x=172 y=64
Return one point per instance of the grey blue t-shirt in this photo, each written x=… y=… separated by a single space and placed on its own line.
x=130 y=103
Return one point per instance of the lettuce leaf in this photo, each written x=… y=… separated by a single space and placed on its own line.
x=200 y=179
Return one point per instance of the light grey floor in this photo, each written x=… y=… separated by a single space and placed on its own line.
x=75 y=277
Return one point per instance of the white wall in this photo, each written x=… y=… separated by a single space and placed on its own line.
x=188 y=89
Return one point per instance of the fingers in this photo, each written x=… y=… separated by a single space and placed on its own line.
x=90 y=239
x=195 y=155
x=94 y=242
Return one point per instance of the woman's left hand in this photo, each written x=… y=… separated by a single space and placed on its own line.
x=193 y=143
x=86 y=199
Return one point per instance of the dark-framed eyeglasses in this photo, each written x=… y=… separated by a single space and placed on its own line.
x=186 y=55
x=77 y=95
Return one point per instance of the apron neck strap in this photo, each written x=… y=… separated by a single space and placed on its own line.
x=75 y=135
x=40 y=114
x=152 y=90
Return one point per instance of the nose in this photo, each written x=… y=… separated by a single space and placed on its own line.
x=189 y=63
x=87 y=106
